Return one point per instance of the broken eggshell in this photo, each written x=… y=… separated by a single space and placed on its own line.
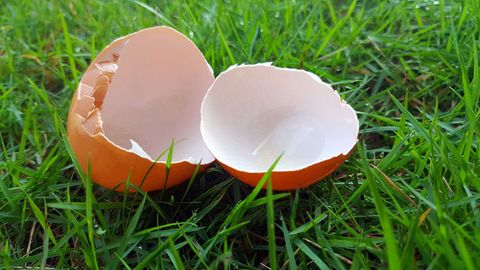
x=252 y=114
x=140 y=93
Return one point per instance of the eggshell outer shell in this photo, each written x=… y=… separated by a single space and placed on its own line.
x=110 y=165
x=290 y=180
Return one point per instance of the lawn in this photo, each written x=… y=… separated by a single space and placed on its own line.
x=408 y=197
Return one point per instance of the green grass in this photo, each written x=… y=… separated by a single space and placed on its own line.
x=407 y=198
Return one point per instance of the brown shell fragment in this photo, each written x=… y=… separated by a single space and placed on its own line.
x=118 y=124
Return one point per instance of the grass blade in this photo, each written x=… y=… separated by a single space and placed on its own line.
x=272 y=244
x=390 y=241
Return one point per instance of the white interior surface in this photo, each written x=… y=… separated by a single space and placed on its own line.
x=254 y=113
x=155 y=95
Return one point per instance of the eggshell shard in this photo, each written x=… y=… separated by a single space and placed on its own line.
x=252 y=114
x=140 y=93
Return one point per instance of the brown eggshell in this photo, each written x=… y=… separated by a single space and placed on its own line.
x=252 y=114
x=116 y=124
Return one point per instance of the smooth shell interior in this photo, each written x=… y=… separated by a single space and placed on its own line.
x=147 y=93
x=254 y=113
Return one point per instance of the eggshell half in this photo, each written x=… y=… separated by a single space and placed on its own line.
x=252 y=114
x=140 y=93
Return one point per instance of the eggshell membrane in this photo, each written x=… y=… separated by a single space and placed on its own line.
x=117 y=121
x=252 y=114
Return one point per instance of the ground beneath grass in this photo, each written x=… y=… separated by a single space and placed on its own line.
x=407 y=198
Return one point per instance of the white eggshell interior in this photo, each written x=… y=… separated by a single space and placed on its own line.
x=154 y=97
x=254 y=113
